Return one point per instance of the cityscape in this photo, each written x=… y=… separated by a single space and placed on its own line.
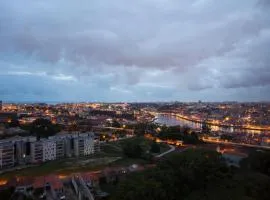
x=128 y=100
x=39 y=133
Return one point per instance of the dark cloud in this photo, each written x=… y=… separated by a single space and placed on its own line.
x=134 y=50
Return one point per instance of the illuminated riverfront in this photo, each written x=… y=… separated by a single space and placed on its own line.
x=173 y=120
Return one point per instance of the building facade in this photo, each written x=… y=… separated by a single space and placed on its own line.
x=84 y=144
x=6 y=155
x=24 y=150
x=49 y=150
x=36 y=152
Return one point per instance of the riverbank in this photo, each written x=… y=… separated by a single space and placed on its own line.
x=215 y=124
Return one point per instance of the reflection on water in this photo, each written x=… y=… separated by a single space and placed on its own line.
x=169 y=120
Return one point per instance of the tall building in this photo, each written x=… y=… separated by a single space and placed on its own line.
x=84 y=144
x=22 y=150
x=36 y=149
x=64 y=145
x=60 y=148
x=76 y=144
x=6 y=155
x=49 y=150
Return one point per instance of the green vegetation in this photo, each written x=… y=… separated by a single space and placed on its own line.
x=13 y=123
x=258 y=161
x=226 y=137
x=155 y=148
x=141 y=128
x=64 y=166
x=42 y=128
x=164 y=147
x=191 y=175
x=6 y=193
x=111 y=154
x=133 y=150
x=179 y=133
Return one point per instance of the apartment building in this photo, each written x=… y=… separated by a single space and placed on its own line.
x=6 y=155
x=49 y=150
x=64 y=145
x=84 y=144
x=60 y=148
x=36 y=149
x=23 y=150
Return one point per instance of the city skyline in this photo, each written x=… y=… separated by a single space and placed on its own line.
x=146 y=51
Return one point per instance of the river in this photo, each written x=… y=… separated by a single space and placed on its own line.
x=169 y=120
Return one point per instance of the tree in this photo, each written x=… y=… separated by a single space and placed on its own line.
x=44 y=128
x=179 y=133
x=7 y=193
x=191 y=138
x=194 y=174
x=226 y=137
x=206 y=129
x=155 y=148
x=133 y=150
x=186 y=130
x=14 y=123
x=257 y=161
x=140 y=129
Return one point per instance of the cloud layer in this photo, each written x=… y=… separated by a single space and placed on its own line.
x=144 y=50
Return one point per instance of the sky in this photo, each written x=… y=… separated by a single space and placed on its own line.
x=143 y=50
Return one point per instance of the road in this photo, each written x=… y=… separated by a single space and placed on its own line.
x=166 y=152
x=236 y=144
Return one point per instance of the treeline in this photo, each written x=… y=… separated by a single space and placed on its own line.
x=183 y=133
x=191 y=175
x=42 y=128
x=257 y=161
x=179 y=133
x=112 y=114
x=141 y=148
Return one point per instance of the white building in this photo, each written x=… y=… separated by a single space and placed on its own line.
x=89 y=146
x=49 y=150
x=24 y=150
x=84 y=144
x=62 y=145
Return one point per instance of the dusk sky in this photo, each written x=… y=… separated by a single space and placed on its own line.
x=142 y=50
